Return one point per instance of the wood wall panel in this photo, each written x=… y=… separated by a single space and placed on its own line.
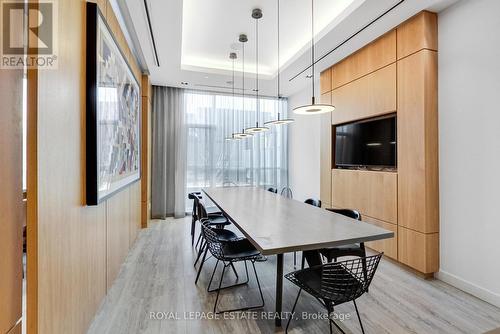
x=369 y=96
x=80 y=249
x=370 y=58
x=418 y=250
x=135 y=212
x=418 y=186
x=420 y=32
x=117 y=233
x=325 y=81
x=11 y=197
x=326 y=155
x=388 y=246
x=372 y=193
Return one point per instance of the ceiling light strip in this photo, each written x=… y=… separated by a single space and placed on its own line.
x=151 y=33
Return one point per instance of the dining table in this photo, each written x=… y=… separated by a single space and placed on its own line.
x=276 y=225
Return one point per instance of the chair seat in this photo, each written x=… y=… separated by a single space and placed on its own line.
x=310 y=280
x=218 y=220
x=212 y=210
x=344 y=250
x=240 y=249
x=225 y=235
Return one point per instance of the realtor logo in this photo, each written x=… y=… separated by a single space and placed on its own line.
x=28 y=34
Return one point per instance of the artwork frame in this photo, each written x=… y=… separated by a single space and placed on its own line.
x=113 y=114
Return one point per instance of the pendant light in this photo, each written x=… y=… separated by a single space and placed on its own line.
x=257 y=15
x=242 y=135
x=233 y=56
x=279 y=121
x=313 y=108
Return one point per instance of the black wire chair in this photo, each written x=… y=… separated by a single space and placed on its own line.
x=316 y=203
x=348 y=250
x=335 y=283
x=229 y=252
x=202 y=211
x=273 y=190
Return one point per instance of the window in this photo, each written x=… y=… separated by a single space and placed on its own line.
x=214 y=161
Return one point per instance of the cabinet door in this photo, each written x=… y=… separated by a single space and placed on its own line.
x=418 y=203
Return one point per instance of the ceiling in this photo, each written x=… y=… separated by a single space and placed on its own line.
x=194 y=38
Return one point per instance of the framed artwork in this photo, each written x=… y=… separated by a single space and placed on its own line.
x=113 y=115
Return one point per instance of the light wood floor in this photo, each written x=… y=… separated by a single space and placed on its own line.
x=158 y=276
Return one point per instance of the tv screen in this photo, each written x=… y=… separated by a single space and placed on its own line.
x=367 y=143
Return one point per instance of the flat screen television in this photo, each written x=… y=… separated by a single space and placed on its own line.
x=367 y=144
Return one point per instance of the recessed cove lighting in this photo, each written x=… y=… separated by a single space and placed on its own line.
x=374 y=144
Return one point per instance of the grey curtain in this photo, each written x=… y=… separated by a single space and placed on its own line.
x=168 y=157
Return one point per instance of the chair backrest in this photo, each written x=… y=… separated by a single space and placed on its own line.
x=354 y=214
x=287 y=192
x=314 y=202
x=215 y=246
x=347 y=280
x=202 y=211
x=273 y=190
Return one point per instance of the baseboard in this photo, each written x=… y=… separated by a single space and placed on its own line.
x=477 y=291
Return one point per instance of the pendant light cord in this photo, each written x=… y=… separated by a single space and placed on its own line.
x=234 y=128
x=279 y=95
x=257 y=68
x=243 y=87
x=312 y=47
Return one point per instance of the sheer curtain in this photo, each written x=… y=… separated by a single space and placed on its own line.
x=214 y=161
x=168 y=177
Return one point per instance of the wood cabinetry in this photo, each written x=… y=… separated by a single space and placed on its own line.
x=326 y=154
x=372 y=57
x=418 y=142
x=388 y=246
x=372 y=193
x=418 y=250
x=418 y=33
x=395 y=73
x=369 y=96
x=325 y=81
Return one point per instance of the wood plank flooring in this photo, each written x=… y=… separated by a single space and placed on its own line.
x=157 y=282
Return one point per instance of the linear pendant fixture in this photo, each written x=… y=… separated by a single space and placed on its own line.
x=257 y=15
x=279 y=121
x=242 y=135
x=233 y=56
x=313 y=108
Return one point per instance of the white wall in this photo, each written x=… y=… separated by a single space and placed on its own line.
x=303 y=149
x=469 y=147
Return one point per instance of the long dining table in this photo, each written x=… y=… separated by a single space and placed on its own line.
x=276 y=225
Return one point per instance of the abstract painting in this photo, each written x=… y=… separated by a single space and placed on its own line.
x=113 y=126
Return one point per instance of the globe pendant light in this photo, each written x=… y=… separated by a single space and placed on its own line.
x=279 y=121
x=233 y=56
x=257 y=14
x=242 y=135
x=313 y=108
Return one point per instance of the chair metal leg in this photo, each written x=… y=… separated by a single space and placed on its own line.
x=228 y=286
x=193 y=230
x=200 y=251
x=359 y=318
x=218 y=290
x=234 y=269
x=293 y=311
x=201 y=265
x=294 y=260
x=303 y=261
x=258 y=284
x=232 y=286
x=198 y=241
